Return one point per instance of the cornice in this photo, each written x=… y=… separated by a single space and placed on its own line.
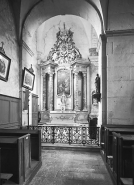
x=113 y=33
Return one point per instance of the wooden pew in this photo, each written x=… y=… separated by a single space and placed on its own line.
x=35 y=138
x=108 y=153
x=129 y=181
x=108 y=138
x=103 y=137
x=124 y=155
x=15 y=157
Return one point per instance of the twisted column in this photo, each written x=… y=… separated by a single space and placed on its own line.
x=84 y=91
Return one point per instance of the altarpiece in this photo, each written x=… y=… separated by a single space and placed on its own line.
x=64 y=82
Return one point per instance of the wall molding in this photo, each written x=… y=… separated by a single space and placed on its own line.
x=114 y=33
x=25 y=46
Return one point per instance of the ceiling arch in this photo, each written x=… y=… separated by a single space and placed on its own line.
x=46 y=9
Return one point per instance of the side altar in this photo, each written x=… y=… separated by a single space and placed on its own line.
x=64 y=83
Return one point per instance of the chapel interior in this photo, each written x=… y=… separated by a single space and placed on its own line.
x=66 y=65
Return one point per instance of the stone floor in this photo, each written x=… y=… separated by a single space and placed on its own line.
x=62 y=167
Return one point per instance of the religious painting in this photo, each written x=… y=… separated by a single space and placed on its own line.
x=28 y=79
x=63 y=82
x=4 y=66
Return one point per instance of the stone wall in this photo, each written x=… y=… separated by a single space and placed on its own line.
x=121 y=15
x=120 y=79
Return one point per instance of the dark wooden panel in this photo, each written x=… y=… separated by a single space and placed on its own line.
x=34 y=110
x=0 y=167
x=35 y=139
x=9 y=112
x=14 y=149
x=4 y=111
x=14 y=107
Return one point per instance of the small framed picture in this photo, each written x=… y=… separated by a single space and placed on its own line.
x=4 y=67
x=28 y=79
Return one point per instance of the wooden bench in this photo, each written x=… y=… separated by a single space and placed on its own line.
x=35 y=140
x=129 y=181
x=104 y=142
x=109 y=140
x=124 y=159
x=5 y=177
x=15 y=157
x=35 y=137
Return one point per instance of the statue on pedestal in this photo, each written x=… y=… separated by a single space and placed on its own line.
x=97 y=84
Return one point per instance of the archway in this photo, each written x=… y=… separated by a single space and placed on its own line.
x=44 y=11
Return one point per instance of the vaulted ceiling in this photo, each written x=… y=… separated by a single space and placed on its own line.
x=22 y=9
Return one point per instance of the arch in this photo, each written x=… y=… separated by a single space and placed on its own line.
x=47 y=9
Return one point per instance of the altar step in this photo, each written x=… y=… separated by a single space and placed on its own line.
x=64 y=124
x=72 y=147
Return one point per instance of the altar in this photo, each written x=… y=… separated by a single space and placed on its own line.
x=62 y=117
x=64 y=83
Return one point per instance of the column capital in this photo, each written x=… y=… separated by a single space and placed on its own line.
x=51 y=74
x=75 y=73
x=42 y=72
x=84 y=74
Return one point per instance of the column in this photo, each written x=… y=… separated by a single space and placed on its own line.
x=44 y=93
x=104 y=78
x=76 y=91
x=85 y=91
x=50 y=95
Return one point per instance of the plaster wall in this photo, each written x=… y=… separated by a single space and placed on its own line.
x=120 y=80
x=29 y=57
x=8 y=36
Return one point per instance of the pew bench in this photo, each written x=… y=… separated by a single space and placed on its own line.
x=125 y=158
x=106 y=137
x=129 y=181
x=35 y=138
x=109 y=138
x=5 y=177
x=35 y=152
x=126 y=181
x=103 y=127
x=109 y=157
x=15 y=157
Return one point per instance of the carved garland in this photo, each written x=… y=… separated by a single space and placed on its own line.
x=64 y=50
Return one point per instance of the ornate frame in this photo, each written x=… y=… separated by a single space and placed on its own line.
x=4 y=66
x=69 y=70
x=28 y=79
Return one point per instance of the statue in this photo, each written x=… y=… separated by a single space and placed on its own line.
x=63 y=101
x=97 y=83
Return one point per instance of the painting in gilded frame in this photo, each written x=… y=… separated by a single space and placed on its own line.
x=4 y=66
x=63 y=82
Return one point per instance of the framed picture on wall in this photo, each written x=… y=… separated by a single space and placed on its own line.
x=28 y=79
x=4 y=67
